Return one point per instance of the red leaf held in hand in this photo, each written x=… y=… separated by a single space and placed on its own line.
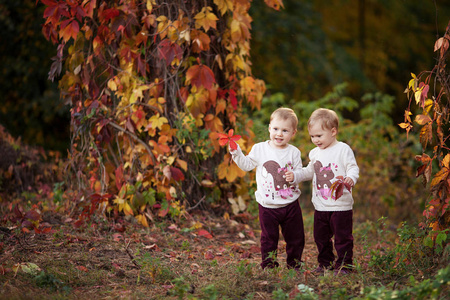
x=224 y=139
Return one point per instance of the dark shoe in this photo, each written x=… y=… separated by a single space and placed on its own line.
x=320 y=270
x=343 y=271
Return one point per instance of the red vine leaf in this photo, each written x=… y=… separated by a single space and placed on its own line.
x=200 y=75
x=224 y=139
x=168 y=51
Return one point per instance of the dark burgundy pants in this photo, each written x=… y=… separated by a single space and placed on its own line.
x=290 y=219
x=338 y=224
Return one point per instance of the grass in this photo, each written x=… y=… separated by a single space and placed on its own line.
x=168 y=262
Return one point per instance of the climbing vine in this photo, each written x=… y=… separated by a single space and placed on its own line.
x=151 y=84
x=429 y=95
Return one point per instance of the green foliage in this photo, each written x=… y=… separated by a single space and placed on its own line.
x=50 y=281
x=153 y=269
x=428 y=289
x=181 y=287
x=409 y=253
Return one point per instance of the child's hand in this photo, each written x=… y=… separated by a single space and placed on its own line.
x=231 y=150
x=289 y=175
x=349 y=181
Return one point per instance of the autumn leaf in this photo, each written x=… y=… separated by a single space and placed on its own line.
x=229 y=171
x=200 y=41
x=337 y=188
x=213 y=122
x=142 y=220
x=224 y=5
x=442 y=44
x=275 y=4
x=69 y=29
x=206 y=19
x=168 y=51
x=422 y=119
x=204 y=233
x=230 y=138
x=200 y=75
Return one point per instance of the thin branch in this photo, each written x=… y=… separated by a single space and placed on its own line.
x=134 y=137
x=133 y=260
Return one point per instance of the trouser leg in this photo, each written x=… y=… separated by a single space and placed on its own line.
x=294 y=235
x=342 y=222
x=269 y=236
x=322 y=237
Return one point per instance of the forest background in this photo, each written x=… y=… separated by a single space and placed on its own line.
x=353 y=56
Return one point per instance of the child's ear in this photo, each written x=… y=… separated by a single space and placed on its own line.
x=333 y=131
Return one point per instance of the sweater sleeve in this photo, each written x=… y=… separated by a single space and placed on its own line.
x=297 y=166
x=306 y=173
x=245 y=163
x=352 y=169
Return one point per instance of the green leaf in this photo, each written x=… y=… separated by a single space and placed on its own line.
x=441 y=237
x=428 y=242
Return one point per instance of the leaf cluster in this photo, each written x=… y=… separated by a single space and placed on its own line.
x=429 y=108
x=150 y=85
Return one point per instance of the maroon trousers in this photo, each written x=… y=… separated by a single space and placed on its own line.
x=290 y=219
x=339 y=224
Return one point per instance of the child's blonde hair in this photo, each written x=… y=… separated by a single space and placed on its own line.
x=328 y=117
x=285 y=114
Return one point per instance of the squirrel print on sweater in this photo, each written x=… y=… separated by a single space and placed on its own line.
x=324 y=175
x=282 y=187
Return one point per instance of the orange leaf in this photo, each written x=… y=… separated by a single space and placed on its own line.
x=81 y=268
x=229 y=171
x=69 y=29
x=275 y=4
x=200 y=41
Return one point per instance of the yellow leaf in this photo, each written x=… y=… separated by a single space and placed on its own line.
x=183 y=164
x=235 y=62
x=149 y=6
x=446 y=161
x=404 y=125
x=142 y=220
x=127 y=209
x=112 y=85
x=206 y=19
x=229 y=171
x=224 y=5
x=440 y=176
x=428 y=106
x=163 y=24
x=417 y=95
x=156 y=121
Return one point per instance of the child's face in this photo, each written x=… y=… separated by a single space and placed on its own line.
x=322 y=137
x=281 y=132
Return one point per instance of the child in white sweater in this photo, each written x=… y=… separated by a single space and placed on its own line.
x=331 y=161
x=277 y=194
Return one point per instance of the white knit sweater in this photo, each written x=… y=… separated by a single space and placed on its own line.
x=273 y=191
x=324 y=168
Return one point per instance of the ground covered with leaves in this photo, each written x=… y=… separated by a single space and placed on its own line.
x=205 y=257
